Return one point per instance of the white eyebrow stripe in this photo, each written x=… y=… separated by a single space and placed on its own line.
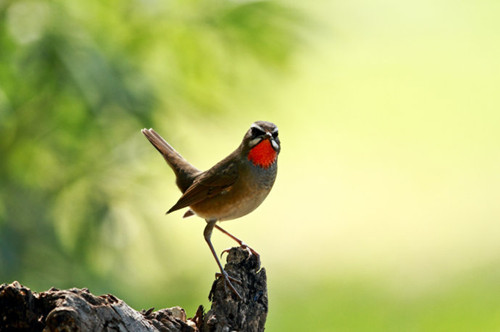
x=254 y=125
x=275 y=130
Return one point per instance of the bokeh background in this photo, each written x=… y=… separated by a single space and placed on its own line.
x=385 y=215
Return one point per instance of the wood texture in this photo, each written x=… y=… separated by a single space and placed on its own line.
x=78 y=310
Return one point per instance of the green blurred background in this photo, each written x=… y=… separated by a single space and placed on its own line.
x=385 y=215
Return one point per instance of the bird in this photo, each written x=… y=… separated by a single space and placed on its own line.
x=230 y=189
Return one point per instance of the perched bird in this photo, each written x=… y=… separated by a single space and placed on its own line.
x=232 y=188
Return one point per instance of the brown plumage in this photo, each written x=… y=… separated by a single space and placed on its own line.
x=230 y=189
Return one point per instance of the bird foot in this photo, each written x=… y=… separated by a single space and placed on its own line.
x=227 y=282
x=245 y=247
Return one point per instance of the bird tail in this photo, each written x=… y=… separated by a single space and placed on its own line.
x=184 y=171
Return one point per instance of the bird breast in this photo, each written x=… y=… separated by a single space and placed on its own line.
x=245 y=195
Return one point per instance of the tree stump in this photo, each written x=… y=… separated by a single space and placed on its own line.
x=79 y=310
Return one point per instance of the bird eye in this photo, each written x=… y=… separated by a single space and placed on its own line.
x=275 y=134
x=257 y=132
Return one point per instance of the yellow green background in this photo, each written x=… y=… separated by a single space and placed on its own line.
x=385 y=215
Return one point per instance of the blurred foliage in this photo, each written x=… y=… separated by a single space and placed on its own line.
x=77 y=79
x=397 y=101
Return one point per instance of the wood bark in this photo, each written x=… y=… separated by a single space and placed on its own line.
x=79 y=310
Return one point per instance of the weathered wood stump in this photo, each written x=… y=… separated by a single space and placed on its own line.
x=79 y=310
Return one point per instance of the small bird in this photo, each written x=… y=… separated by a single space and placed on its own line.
x=232 y=188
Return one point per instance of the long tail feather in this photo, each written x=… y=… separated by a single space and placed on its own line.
x=184 y=171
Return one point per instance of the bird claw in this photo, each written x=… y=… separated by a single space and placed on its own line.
x=228 y=279
x=245 y=247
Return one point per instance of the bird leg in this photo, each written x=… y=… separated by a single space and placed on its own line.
x=207 y=233
x=241 y=243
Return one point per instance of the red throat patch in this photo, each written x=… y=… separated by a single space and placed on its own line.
x=262 y=154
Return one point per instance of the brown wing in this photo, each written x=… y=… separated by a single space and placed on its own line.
x=209 y=184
